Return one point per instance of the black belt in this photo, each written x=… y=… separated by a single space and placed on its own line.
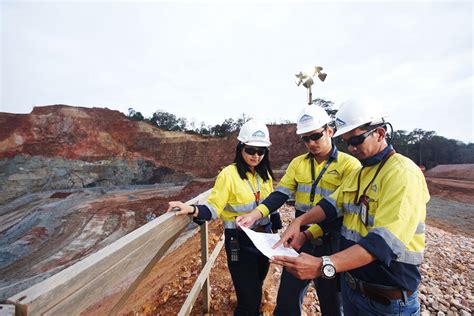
x=381 y=294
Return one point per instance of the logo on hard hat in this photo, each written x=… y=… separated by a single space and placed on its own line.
x=339 y=122
x=258 y=133
x=305 y=118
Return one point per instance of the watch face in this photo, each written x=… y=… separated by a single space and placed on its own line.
x=329 y=271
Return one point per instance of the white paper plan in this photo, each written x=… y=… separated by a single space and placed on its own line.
x=264 y=242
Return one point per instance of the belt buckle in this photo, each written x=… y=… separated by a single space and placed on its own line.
x=351 y=281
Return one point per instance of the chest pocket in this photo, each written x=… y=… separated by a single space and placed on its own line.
x=304 y=179
x=373 y=206
x=331 y=182
x=364 y=212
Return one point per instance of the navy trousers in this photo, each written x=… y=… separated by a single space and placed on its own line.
x=293 y=290
x=247 y=274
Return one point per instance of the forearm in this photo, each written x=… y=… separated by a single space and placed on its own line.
x=314 y=215
x=351 y=258
x=274 y=201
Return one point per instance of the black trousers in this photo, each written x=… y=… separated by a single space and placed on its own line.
x=293 y=290
x=247 y=274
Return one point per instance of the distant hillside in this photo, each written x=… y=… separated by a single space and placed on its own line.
x=457 y=172
x=61 y=146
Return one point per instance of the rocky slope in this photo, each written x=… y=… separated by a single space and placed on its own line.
x=64 y=147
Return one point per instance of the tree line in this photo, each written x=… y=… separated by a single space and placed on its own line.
x=423 y=147
x=170 y=122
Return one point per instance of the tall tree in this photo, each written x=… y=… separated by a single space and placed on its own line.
x=134 y=115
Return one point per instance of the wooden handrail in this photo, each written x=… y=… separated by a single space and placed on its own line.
x=83 y=284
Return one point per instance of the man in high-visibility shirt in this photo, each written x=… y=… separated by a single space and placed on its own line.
x=310 y=177
x=383 y=205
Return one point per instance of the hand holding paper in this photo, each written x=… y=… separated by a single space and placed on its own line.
x=264 y=242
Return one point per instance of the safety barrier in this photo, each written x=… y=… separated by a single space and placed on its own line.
x=85 y=283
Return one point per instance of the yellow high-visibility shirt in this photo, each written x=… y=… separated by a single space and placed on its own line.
x=394 y=227
x=298 y=181
x=233 y=196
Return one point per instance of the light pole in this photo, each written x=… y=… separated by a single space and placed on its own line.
x=306 y=78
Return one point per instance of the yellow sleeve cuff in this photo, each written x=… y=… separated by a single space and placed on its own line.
x=263 y=209
x=316 y=231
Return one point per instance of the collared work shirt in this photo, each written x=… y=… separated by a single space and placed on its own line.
x=393 y=228
x=233 y=196
x=298 y=181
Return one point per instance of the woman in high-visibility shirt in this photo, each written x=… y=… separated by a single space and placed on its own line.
x=238 y=189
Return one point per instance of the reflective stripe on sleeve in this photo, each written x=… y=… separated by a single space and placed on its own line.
x=350 y=234
x=284 y=190
x=332 y=201
x=404 y=256
x=240 y=208
x=397 y=246
x=212 y=209
x=411 y=257
x=302 y=207
x=232 y=224
x=420 y=229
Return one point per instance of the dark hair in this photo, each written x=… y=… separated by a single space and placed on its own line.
x=263 y=168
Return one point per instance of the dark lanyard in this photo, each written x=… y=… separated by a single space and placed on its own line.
x=315 y=182
x=356 y=199
x=257 y=193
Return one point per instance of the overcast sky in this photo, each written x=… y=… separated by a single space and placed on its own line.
x=208 y=61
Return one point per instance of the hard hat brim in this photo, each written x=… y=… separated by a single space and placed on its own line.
x=258 y=143
x=305 y=130
x=345 y=129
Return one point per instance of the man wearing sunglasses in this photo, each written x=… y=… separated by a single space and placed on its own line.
x=383 y=205
x=310 y=177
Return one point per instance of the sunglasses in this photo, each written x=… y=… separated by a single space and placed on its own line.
x=359 y=139
x=255 y=150
x=314 y=136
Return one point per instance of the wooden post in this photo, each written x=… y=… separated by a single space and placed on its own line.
x=206 y=289
x=203 y=276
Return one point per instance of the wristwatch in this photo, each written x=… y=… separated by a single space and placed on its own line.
x=328 y=271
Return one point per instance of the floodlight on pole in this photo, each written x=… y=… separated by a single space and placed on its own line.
x=306 y=78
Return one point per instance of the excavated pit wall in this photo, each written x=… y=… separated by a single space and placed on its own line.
x=25 y=174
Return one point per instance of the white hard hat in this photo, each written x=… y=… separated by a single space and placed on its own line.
x=254 y=133
x=355 y=113
x=311 y=118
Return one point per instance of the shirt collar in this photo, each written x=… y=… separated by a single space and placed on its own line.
x=372 y=161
